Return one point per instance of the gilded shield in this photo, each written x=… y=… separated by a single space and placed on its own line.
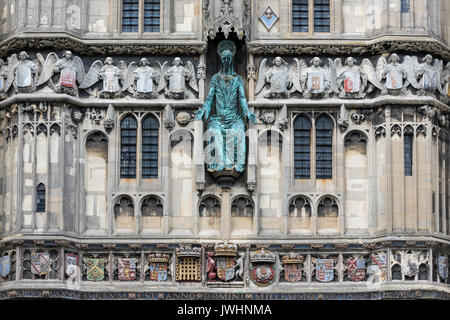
x=95 y=269
x=225 y=268
x=158 y=271
x=356 y=269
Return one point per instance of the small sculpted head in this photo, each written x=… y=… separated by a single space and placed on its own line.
x=394 y=58
x=278 y=61
x=177 y=61
x=109 y=61
x=144 y=62
x=428 y=59
x=23 y=56
x=350 y=61
x=268 y=13
x=316 y=61
x=67 y=54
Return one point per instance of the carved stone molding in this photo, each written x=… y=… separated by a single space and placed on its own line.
x=108 y=245
x=62 y=243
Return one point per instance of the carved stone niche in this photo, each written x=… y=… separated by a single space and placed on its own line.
x=226 y=16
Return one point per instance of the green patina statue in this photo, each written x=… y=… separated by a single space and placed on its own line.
x=225 y=133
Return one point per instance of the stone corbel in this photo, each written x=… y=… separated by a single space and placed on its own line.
x=169 y=119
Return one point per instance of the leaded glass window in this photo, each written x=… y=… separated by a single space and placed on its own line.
x=324 y=148
x=150 y=133
x=151 y=15
x=40 y=198
x=128 y=133
x=302 y=148
x=300 y=21
x=408 y=148
x=130 y=16
x=321 y=15
x=405 y=6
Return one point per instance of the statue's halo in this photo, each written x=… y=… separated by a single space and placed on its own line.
x=226 y=45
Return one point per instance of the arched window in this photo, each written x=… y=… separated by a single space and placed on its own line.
x=318 y=10
x=128 y=129
x=209 y=207
x=242 y=207
x=302 y=148
x=150 y=132
x=300 y=207
x=328 y=208
x=324 y=147
x=152 y=207
x=40 y=198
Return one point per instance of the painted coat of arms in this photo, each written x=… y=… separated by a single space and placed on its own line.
x=262 y=270
x=40 y=263
x=158 y=266
x=378 y=265
x=356 y=269
x=292 y=267
x=95 y=269
x=5 y=265
x=225 y=260
x=71 y=265
x=410 y=264
x=324 y=270
x=443 y=267
x=127 y=269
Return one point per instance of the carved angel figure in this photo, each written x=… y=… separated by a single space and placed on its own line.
x=25 y=74
x=176 y=76
x=141 y=81
x=351 y=81
x=70 y=68
x=281 y=78
x=315 y=80
x=109 y=73
x=3 y=78
x=445 y=81
x=430 y=75
x=395 y=73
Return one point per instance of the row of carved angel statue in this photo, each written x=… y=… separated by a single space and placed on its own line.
x=351 y=81
x=68 y=75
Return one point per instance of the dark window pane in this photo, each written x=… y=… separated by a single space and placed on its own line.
x=302 y=147
x=151 y=15
x=300 y=15
x=405 y=6
x=40 y=198
x=130 y=16
x=408 y=141
x=150 y=132
x=128 y=131
x=324 y=148
x=321 y=15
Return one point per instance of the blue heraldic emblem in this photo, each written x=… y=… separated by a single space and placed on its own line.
x=225 y=268
x=158 y=266
x=5 y=266
x=324 y=270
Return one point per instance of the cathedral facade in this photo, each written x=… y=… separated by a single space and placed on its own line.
x=335 y=186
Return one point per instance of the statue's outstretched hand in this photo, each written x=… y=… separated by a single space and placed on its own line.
x=251 y=117
x=199 y=114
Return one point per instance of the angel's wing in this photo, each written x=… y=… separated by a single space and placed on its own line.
x=381 y=64
x=372 y=77
x=294 y=75
x=79 y=66
x=303 y=73
x=47 y=68
x=338 y=64
x=192 y=78
x=261 y=76
x=92 y=75
x=130 y=76
x=12 y=61
x=438 y=66
x=162 y=76
x=331 y=75
x=410 y=66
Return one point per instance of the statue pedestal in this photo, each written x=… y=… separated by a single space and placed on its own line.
x=225 y=178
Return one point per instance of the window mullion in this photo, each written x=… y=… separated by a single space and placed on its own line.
x=141 y=16
x=311 y=16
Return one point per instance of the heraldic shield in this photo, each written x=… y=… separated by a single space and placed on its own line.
x=443 y=267
x=262 y=269
x=5 y=265
x=292 y=272
x=225 y=268
x=127 y=269
x=324 y=270
x=68 y=78
x=71 y=265
x=356 y=269
x=40 y=263
x=158 y=271
x=95 y=269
